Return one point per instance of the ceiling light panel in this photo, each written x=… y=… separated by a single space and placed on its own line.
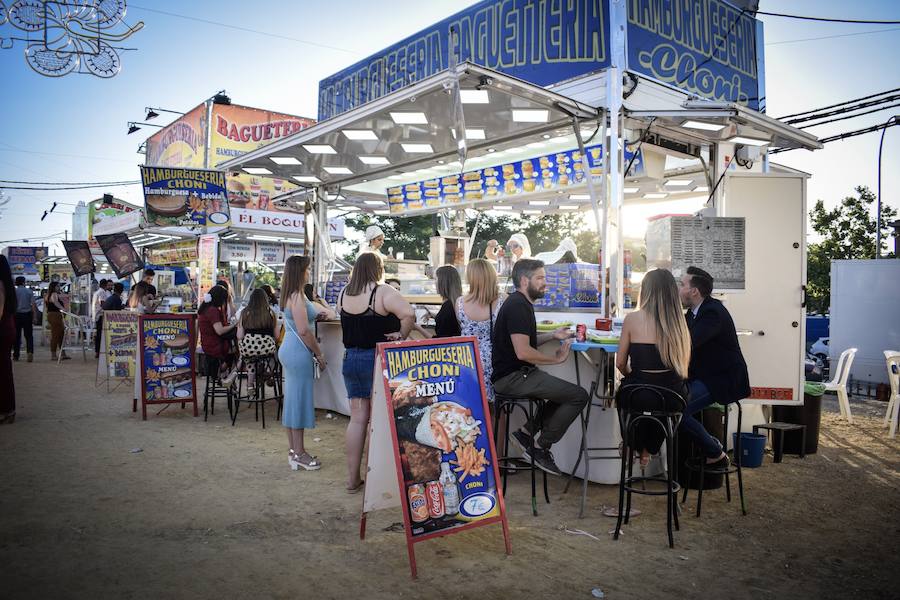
x=703 y=126
x=475 y=134
x=285 y=160
x=409 y=118
x=679 y=182
x=655 y=195
x=747 y=141
x=630 y=190
x=307 y=179
x=417 y=148
x=319 y=149
x=257 y=171
x=338 y=170
x=360 y=134
x=374 y=160
x=474 y=97
x=529 y=115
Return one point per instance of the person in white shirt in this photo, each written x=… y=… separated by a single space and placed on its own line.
x=103 y=292
x=374 y=240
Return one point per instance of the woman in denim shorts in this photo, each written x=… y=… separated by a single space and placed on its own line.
x=370 y=313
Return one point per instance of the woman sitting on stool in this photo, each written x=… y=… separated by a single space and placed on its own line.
x=655 y=349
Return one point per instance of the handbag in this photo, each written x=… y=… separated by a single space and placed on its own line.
x=317 y=368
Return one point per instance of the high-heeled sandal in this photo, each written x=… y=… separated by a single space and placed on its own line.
x=303 y=461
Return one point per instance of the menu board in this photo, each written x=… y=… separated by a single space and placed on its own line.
x=555 y=171
x=172 y=253
x=334 y=288
x=185 y=197
x=574 y=285
x=120 y=338
x=207 y=263
x=166 y=350
x=442 y=438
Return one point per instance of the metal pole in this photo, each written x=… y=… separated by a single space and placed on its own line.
x=589 y=179
x=878 y=215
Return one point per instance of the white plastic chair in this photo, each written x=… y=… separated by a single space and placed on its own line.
x=892 y=359
x=838 y=383
x=76 y=334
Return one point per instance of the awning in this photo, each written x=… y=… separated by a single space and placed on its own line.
x=410 y=136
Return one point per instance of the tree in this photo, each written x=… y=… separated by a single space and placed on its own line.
x=849 y=232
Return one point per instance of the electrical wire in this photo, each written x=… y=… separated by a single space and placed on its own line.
x=815 y=110
x=874 y=110
x=640 y=143
x=67 y=182
x=844 y=136
x=60 y=189
x=712 y=192
x=846 y=109
x=827 y=19
x=831 y=37
x=239 y=28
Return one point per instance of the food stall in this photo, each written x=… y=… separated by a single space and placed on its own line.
x=468 y=137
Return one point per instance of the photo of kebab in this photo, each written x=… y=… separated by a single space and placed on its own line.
x=442 y=425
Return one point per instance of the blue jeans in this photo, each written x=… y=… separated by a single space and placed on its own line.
x=700 y=399
x=357 y=371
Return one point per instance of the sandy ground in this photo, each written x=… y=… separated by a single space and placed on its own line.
x=211 y=511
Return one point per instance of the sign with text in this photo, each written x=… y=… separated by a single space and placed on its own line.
x=181 y=252
x=120 y=338
x=185 y=197
x=166 y=351
x=704 y=47
x=442 y=439
x=284 y=222
x=207 y=263
x=23 y=260
x=540 y=42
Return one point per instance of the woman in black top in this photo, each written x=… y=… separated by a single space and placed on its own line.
x=449 y=286
x=655 y=349
x=370 y=313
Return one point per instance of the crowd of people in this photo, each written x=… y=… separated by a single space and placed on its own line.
x=693 y=353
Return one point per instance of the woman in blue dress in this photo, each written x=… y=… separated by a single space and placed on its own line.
x=296 y=356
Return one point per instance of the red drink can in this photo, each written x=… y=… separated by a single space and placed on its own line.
x=434 y=495
x=604 y=324
x=580 y=332
x=418 y=505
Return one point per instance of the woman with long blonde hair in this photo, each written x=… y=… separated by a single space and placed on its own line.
x=655 y=348
x=477 y=310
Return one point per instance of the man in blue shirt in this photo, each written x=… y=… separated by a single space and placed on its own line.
x=24 y=319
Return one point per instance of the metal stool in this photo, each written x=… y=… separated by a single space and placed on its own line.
x=780 y=428
x=658 y=407
x=214 y=388
x=264 y=369
x=733 y=467
x=507 y=404
x=584 y=453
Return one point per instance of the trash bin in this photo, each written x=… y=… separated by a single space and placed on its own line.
x=711 y=417
x=810 y=414
x=753 y=447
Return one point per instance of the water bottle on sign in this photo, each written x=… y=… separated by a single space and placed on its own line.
x=451 y=490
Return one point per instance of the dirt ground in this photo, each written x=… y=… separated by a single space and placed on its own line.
x=207 y=510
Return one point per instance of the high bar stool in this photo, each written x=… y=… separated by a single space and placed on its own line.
x=505 y=405
x=734 y=465
x=215 y=388
x=265 y=368
x=658 y=407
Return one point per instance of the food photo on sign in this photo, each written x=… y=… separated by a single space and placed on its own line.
x=120 y=253
x=79 y=253
x=176 y=197
x=441 y=432
x=167 y=359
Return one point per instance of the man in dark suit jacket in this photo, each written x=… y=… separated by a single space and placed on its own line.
x=717 y=372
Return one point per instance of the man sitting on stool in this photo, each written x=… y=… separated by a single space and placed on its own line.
x=515 y=354
x=717 y=372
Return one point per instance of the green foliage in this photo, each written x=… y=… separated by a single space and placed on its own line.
x=410 y=235
x=849 y=232
x=264 y=276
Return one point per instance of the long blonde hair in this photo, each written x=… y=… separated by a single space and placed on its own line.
x=482 y=279
x=659 y=301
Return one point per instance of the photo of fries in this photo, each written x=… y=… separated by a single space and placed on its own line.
x=469 y=461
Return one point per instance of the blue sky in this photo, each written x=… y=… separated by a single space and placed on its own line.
x=73 y=128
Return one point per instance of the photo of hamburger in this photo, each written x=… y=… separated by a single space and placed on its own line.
x=167 y=206
x=178 y=342
x=238 y=194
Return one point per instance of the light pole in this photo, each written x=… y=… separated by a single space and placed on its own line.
x=878 y=215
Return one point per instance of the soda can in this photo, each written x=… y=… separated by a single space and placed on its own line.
x=580 y=332
x=434 y=495
x=418 y=505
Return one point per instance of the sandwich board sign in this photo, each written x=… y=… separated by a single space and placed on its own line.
x=429 y=410
x=166 y=345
